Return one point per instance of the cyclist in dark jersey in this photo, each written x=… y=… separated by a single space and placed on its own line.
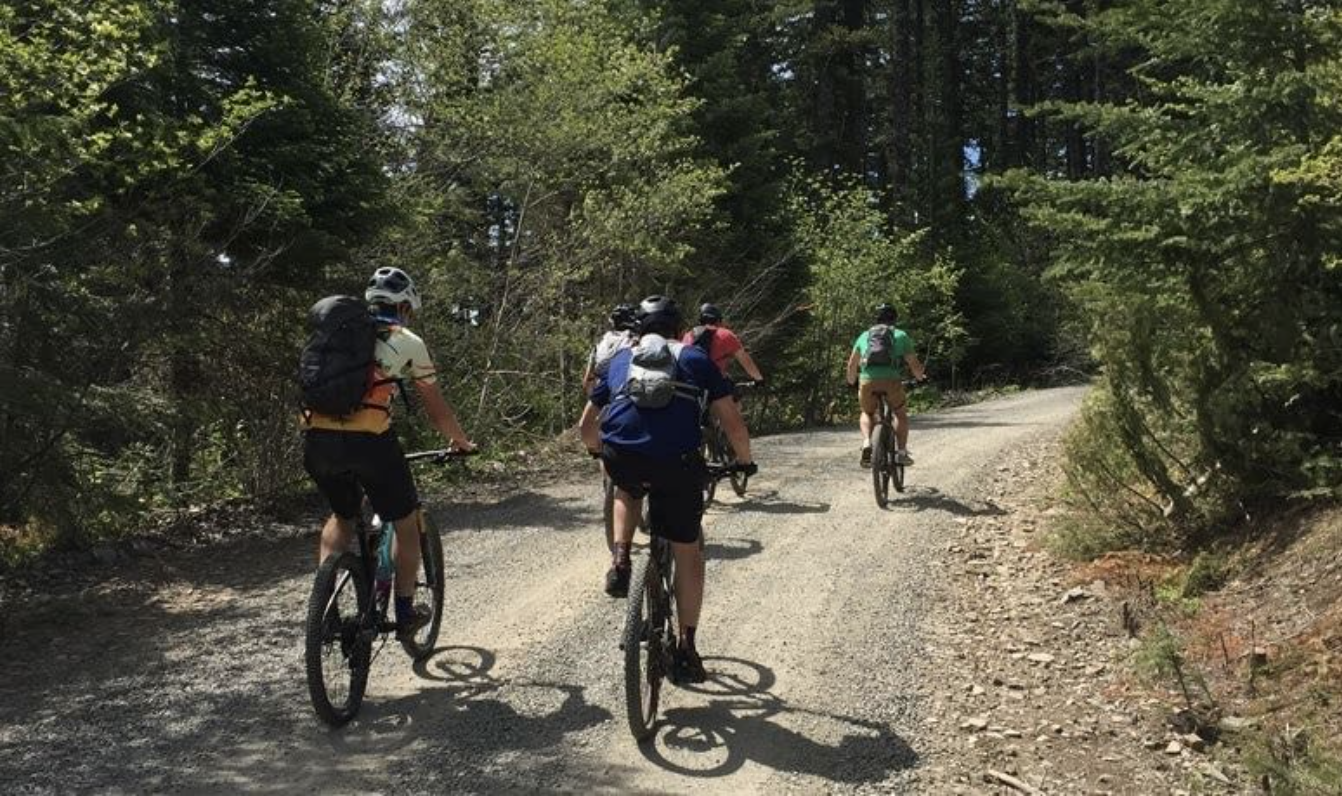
x=655 y=452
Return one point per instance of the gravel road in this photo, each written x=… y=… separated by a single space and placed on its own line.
x=184 y=672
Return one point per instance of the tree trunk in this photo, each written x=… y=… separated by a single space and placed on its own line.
x=900 y=147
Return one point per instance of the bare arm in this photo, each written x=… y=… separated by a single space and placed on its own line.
x=733 y=425
x=853 y=362
x=588 y=428
x=442 y=416
x=748 y=364
x=915 y=366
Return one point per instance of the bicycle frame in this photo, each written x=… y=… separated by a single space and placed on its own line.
x=374 y=622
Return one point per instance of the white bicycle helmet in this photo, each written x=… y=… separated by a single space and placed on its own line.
x=392 y=286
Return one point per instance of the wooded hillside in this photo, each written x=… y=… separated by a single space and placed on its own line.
x=1148 y=190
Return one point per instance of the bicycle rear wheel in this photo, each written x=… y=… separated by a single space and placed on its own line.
x=897 y=476
x=429 y=590
x=644 y=643
x=338 y=650
x=712 y=455
x=880 y=463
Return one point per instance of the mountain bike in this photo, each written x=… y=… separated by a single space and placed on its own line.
x=649 y=636
x=347 y=610
x=717 y=450
x=885 y=466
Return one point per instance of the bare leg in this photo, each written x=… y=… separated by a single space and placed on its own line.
x=627 y=509
x=405 y=552
x=335 y=537
x=865 y=423
x=689 y=583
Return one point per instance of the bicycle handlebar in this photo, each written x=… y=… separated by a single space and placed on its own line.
x=441 y=456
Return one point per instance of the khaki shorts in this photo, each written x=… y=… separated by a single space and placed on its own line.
x=866 y=394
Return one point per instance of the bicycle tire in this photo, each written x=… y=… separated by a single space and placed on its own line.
x=642 y=650
x=880 y=464
x=897 y=476
x=335 y=576
x=712 y=456
x=430 y=588
x=608 y=511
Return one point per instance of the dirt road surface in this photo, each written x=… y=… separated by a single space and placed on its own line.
x=183 y=672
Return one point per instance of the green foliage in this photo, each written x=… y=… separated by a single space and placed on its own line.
x=168 y=172
x=1160 y=659
x=558 y=180
x=1296 y=763
x=1207 y=265
x=1208 y=571
x=855 y=263
x=177 y=183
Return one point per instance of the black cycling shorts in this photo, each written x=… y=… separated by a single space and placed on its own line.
x=675 y=489
x=346 y=464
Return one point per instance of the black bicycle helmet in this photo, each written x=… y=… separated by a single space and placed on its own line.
x=659 y=315
x=709 y=313
x=624 y=317
x=886 y=313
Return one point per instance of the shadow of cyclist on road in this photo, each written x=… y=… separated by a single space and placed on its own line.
x=463 y=705
x=928 y=498
x=730 y=548
x=767 y=502
x=744 y=721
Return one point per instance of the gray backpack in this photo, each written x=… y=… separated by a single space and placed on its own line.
x=652 y=382
x=880 y=346
x=610 y=344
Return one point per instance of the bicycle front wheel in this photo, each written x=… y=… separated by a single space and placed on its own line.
x=338 y=650
x=881 y=454
x=608 y=511
x=644 y=642
x=429 y=590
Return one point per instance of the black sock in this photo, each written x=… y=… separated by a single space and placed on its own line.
x=621 y=555
x=687 y=640
x=405 y=609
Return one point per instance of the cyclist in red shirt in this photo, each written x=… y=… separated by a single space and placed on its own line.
x=720 y=343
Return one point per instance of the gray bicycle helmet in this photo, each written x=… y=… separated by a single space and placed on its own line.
x=886 y=313
x=709 y=313
x=392 y=286
x=659 y=315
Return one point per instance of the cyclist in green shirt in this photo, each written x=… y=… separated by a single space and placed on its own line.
x=878 y=357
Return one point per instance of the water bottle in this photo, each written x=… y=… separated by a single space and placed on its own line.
x=383 y=572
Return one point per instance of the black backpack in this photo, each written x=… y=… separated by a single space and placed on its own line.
x=880 y=346
x=703 y=338
x=335 y=370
